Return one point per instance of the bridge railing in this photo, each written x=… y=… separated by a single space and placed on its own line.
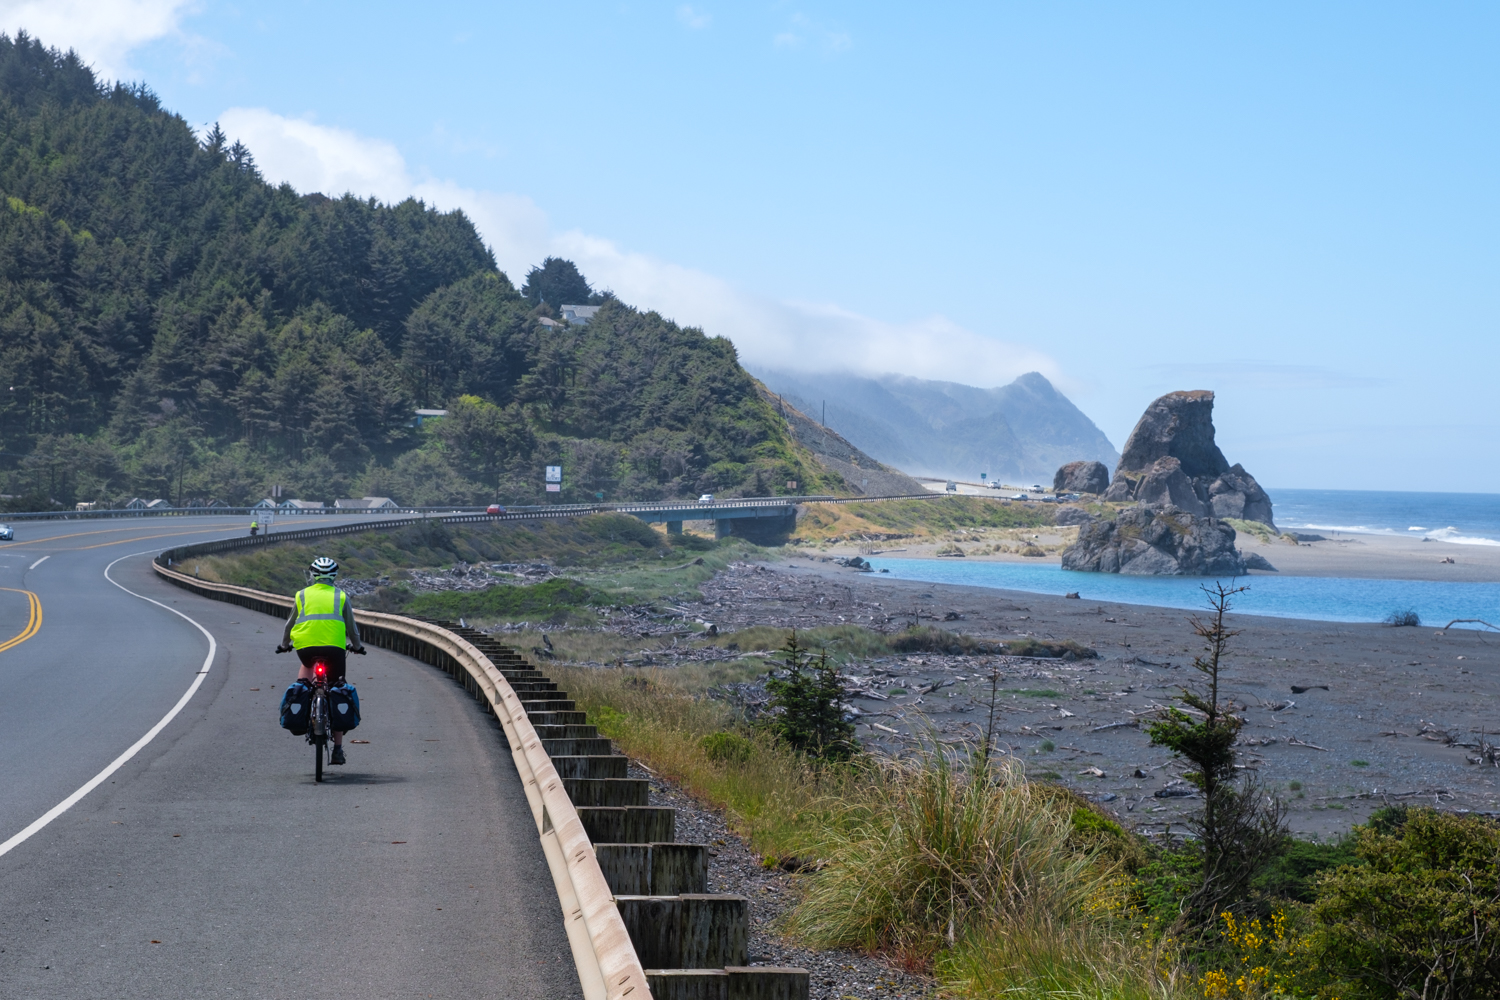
x=534 y=510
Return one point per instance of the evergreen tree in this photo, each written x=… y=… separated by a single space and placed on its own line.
x=557 y=282
x=806 y=705
x=201 y=333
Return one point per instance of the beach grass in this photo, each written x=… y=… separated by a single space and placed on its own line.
x=917 y=519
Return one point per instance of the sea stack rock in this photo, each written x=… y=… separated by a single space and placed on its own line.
x=1171 y=459
x=1081 y=477
x=1156 y=541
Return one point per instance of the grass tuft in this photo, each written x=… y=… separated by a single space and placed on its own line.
x=940 y=844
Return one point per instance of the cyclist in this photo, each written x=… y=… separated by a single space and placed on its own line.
x=320 y=626
x=254 y=527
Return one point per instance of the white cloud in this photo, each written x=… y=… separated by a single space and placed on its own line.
x=313 y=157
x=833 y=40
x=805 y=336
x=692 y=17
x=102 y=31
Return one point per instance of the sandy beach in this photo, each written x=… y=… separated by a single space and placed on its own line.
x=1338 y=554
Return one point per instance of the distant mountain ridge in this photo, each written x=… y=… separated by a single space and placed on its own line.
x=1021 y=431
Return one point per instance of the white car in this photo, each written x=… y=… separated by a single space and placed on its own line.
x=7 y=534
x=706 y=498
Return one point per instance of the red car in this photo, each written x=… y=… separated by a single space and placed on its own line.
x=494 y=508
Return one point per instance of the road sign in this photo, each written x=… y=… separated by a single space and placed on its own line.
x=554 y=473
x=554 y=488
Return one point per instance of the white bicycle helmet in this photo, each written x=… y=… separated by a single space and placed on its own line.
x=323 y=568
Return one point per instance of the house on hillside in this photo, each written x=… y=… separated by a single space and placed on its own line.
x=579 y=315
x=367 y=503
x=293 y=506
x=158 y=505
x=422 y=415
x=266 y=504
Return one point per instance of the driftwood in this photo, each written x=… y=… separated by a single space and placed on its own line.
x=1471 y=621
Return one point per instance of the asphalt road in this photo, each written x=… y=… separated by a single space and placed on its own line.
x=210 y=864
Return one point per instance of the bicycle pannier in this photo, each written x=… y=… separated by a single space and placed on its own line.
x=296 y=705
x=343 y=707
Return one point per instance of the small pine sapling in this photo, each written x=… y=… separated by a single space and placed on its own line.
x=1238 y=829
x=806 y=705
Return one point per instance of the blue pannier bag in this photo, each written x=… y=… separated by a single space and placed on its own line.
x=296 y=705
x=343 y=707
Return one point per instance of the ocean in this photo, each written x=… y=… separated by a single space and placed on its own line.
x=1461 y=518
x=1456 y=518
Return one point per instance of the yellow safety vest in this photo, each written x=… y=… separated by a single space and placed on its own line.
x=320 y=617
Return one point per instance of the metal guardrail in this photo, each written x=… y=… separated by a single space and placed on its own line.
x=541 y=510
x=608 y=967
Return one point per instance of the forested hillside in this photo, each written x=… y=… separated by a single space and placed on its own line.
x=173 y=326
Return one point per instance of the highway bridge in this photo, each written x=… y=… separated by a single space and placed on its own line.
x=160 y=835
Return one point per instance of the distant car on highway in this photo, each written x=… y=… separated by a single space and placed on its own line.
x=7 y=534
x=494 y=508
x=1038 y=489
x=706 y=498
x=996 y=486
x=1020 y=496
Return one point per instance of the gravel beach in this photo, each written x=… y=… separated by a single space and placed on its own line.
x=1340 y=718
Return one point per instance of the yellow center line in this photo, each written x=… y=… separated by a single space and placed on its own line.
x=32 y=625
x=144 y=538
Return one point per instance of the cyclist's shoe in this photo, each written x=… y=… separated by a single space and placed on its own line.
x=338 y=755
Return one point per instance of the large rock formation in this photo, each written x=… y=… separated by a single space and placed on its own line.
x=1171 y=458
x=1081 y=477
x=1156 y=541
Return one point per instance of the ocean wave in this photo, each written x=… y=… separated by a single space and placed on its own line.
x=1353 y=529
x=1452 y=536
x=1449 y=534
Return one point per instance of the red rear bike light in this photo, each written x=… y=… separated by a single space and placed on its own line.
x=319 y=669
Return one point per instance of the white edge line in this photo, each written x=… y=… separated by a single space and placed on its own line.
x=138 y=745
x=45 y=558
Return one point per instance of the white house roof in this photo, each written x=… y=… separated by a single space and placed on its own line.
x=366 y=503
x=579 y=314
x=301 y=505
x=432 y=413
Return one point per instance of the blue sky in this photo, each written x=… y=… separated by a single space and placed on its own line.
x=1292 y=204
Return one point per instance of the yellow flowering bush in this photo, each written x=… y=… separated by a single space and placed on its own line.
x=1265 y=959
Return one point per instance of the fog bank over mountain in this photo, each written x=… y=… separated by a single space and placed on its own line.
x=1020 y=431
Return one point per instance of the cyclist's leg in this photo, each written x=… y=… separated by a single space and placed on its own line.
x=337 y=668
